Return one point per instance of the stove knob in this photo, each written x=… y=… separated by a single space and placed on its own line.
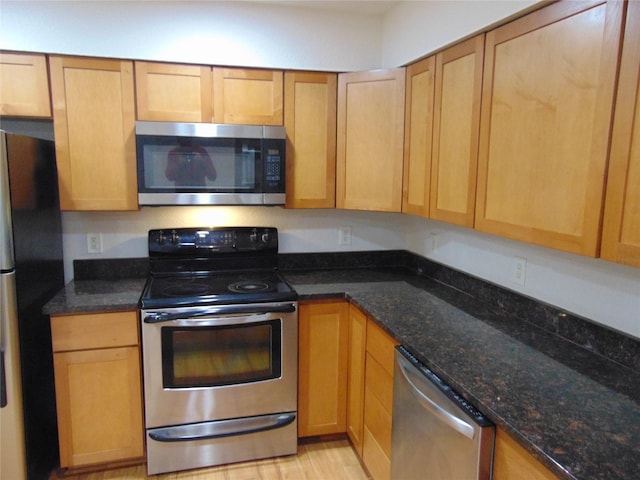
x=265 y=237
x=175 y=238
x=253 y=237
x=161 y=238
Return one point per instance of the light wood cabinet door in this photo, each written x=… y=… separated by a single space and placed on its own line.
x=323 y=356
x=546 y=108
x=174 y=93
x=244 y=96
x=98 y=390
x=94 y=126
x=355 y=382
x=370 y=140
x=24 y=85
x=310 y=121
x=621 y=230
x=456 y=132
x=512 y=462
x=416 y=184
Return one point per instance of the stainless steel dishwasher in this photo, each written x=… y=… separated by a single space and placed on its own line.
x=436 y=434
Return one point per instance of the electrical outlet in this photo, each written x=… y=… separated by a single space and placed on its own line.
x=94 y=242
x=519 y=270
x=344 y=235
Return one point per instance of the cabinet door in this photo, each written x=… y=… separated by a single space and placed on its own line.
x=546 y=108
x=370 y=140
x=456 y=131
x=323 y=356
x=94 y=122
x=99 y=405
x=24 y=85
x=418 y=137
x=310 y=120
x=621 y=231
x=174 y=93
x=243 y=96
x=512 y=462
x=355 y=382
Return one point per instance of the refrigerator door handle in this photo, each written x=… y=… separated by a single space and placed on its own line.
x=6 y=229
x=3 y=382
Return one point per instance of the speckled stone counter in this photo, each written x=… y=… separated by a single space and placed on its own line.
x=575 y=411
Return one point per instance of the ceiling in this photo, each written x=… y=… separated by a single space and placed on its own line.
x=369 y=7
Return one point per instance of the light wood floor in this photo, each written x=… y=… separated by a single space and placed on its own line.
x=317 y=459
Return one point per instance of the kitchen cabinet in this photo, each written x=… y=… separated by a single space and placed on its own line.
x=418 y=137
x=174 y=93
x=621 y=229
x=24 y=85
x=512 y=462
x=378 y=401
x=96 y=361
x=310 y=122
x=456 y=131
x=355 y=381
x=248 y=96
x=94 y=122
x=322 y=373
x=546 y=107
x=370 y=140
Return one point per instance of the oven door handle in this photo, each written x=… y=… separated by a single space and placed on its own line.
x=222 y=428
x=158 y=317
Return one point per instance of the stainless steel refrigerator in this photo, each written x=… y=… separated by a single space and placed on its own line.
x=31 y=273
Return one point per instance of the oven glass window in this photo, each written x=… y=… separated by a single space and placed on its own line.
x=188 y=164
x=221 y=355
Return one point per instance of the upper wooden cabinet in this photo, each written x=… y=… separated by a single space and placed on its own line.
x=174 y=93
x=310 y=121
x=417 y=137
x=247 y=96
x=621 y=232
x=456 y=131
x=546 y=108
x=24 y=85
x=94 y=122
x=370 y=140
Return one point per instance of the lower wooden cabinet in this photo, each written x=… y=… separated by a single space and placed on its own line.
x=98 y=388
x=355 y=382
x=512 y=462
x=322 y=368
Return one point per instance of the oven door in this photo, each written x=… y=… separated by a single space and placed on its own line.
x=212 y=363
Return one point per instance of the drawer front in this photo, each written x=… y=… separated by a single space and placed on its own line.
x=378 y=421
x=376 y=461
x=381 y=346
x=379 y=382
x=96 y=330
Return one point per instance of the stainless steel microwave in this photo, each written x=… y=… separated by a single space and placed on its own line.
x=210 y=164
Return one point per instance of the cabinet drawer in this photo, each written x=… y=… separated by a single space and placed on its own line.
x=381 y=346
x=96 y=330
x=374 y=458
x=377 y=419
x=379 y=382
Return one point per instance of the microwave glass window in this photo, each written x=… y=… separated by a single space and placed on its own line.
x=227 y=165
x=216 y=356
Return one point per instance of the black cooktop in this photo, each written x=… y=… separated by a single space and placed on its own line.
x=214 y=266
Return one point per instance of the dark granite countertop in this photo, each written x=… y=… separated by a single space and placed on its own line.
x=575 y=411
x=574 y=404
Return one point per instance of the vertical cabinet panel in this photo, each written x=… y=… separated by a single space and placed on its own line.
x=456 y=132
x=174 y=93
x=323 y=357
x=355 y=383
x=621 y=231
x=370 y=140
x=24 y=85
x=310 y=121
x=417 y=137
x=94 y=122
x=244 y=96
x=546 y=108
x=512 y=462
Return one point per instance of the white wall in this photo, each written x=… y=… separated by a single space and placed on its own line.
x=241 y=33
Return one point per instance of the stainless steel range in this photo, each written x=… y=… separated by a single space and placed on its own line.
x=219 y=339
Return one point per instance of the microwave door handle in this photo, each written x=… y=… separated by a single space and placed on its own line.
x=452 y=421
x=160 y=317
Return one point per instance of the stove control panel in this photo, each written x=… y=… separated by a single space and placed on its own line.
x=212 y=240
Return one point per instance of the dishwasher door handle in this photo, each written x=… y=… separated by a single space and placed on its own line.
x=449 y=419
